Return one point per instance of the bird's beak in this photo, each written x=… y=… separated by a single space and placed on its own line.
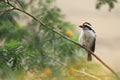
x=81 y=26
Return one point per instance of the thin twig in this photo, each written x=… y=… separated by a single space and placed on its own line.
x=20 y=4
x=68 y=40
x=7 y=10
x=87 y=74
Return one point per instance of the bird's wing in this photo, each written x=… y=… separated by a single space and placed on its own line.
x=93 y=45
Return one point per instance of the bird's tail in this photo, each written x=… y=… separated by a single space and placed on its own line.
x=89 y=57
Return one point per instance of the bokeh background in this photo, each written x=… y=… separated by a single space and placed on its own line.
x=35 y=39
x=105 y=23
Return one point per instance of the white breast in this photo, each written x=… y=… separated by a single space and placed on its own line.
x=86 y=38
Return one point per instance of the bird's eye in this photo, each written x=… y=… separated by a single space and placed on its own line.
x=87 y=27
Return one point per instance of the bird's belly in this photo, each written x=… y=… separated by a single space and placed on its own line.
x=88 y=41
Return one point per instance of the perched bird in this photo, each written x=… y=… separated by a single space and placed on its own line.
x=87 y=38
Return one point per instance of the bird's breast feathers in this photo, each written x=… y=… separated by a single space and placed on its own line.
x=86 y=38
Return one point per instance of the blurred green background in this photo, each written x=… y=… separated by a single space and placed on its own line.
x=31 y=51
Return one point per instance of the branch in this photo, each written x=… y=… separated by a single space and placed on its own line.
x=25 y=13
x=87 y=74
x=89 y=51
x=7 y=10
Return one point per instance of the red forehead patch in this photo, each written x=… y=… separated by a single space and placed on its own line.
x=86 y=23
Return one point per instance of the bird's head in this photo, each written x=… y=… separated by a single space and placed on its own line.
x=86 y=26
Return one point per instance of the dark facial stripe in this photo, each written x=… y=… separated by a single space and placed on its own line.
x=89 y=28
x=85 y=23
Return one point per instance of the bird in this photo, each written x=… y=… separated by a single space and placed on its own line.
x=87 y=38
